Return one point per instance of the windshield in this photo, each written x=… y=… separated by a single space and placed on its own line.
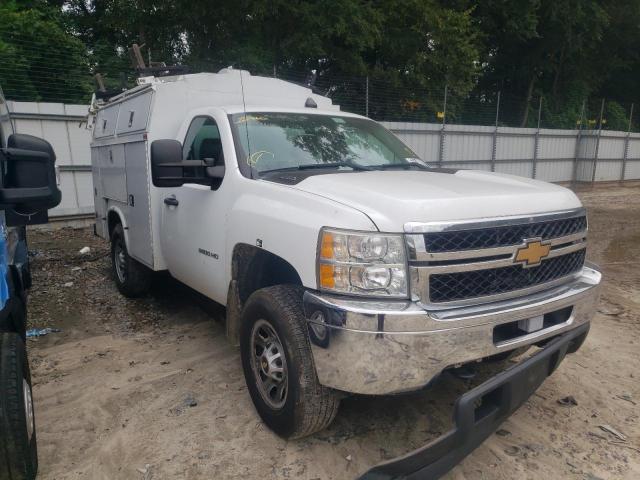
x=274 y=141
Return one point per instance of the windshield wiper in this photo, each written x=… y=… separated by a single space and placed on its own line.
x=314 y=166
x=403 y=166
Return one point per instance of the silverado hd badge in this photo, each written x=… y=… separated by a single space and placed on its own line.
x=532 y=252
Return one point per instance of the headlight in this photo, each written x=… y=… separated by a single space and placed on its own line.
x=361 y=263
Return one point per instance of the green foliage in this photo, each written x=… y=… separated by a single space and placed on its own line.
x=564 y=51
x=39 y=59
x=615 y=116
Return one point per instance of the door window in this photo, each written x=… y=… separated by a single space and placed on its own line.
x=203 y=141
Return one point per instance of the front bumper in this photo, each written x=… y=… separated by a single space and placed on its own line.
x=383 y=347
x=479 y=412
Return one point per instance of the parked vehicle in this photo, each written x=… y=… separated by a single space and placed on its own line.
x=346 y=263
x=27 y=189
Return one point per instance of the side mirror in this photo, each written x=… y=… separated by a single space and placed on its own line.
x=216 y=173
x=28 y=174
x=168 y=169
x=166 y=163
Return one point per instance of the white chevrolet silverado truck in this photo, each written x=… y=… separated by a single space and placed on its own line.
x=346 y=263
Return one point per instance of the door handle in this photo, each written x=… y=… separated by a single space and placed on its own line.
x=173 y=201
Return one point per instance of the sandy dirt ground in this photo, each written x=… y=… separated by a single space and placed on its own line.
x=150 y=388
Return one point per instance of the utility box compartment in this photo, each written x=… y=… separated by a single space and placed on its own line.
x=119 y=156
x=98 y=199
x=106 y=119
x=139 y=216
x=134 y=114
x=113 y=172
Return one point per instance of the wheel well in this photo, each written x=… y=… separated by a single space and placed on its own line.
x=113 y=219
x=13 y=315
x=253 y=269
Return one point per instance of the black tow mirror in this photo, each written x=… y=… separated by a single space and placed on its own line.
x=168 y=169
x=28 y=175
x=166 y=163
x=216 y=173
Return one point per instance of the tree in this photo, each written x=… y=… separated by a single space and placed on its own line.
x=39 y=59
x=541 y=47
x=562 y=50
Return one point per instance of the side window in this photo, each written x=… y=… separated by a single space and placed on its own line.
x=203 y=141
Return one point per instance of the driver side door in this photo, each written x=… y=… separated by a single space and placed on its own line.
x=192 y=230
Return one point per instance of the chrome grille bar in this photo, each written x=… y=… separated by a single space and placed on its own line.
x=498 y=260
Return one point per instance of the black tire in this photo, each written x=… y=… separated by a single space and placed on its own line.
x=308 y=406
x=13 y=318
x=18 y=451
x=19 y=317
x=132 y=278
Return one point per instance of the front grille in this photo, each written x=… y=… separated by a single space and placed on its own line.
x=502 y=236
x=456 y=286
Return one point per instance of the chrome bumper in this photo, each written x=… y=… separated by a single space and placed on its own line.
x=383 y=347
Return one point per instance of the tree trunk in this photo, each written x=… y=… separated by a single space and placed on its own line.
x=556 y=78
x=525 y=115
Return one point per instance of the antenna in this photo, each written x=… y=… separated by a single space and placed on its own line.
x=246 y=127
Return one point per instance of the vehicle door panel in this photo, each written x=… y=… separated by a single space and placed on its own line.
x=192 y=232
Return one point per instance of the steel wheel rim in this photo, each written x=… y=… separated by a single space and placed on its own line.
x=28 y=408
x=120 y=261
x=269 y=364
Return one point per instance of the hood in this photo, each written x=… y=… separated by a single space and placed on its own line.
x=393 y=198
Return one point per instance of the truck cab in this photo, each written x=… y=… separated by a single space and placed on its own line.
x=346 y=263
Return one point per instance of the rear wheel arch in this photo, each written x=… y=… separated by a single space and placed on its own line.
x=113 y=219
x=132 y=278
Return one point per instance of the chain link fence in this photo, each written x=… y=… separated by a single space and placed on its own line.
x=34 y=70
x=567 y=139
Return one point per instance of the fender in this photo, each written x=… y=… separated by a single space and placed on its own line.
x=286 y=222
x=123 y=221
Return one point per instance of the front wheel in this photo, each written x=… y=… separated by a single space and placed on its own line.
x=278 y=364
x=18 y=451
x=132 y=278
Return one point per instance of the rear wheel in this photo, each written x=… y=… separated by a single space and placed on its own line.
x=18 y=452
x=132 y=278
x=278 y=364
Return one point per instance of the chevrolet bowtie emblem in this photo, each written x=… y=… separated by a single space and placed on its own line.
x=532 y=252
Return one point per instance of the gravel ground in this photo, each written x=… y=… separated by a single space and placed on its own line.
x=150 y=389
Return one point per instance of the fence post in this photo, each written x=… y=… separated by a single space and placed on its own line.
x=536 y=143
x=495 y=136
x=366 y=98
x=442 y=130
x=623 y=171
x=574 y=176
x=595 y=156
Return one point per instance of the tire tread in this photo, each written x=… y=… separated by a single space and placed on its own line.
x=138 y=279
x=318 y=404
x=21 y=458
